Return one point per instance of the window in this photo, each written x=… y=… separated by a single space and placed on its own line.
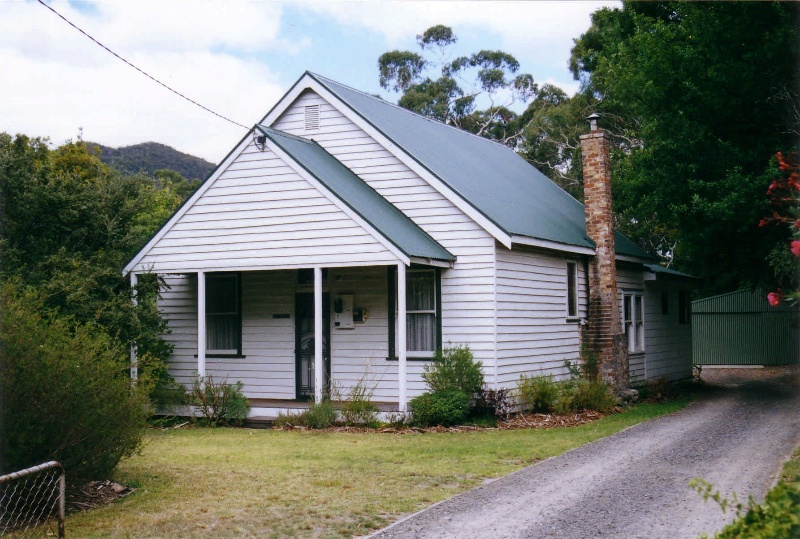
x=633 y=322
x=684 y=307
x=223 y=314
x=664 y=302
x=423 y=313
x=572 y=290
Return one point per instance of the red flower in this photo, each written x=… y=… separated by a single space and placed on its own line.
x=796 y=247
x=774 y=298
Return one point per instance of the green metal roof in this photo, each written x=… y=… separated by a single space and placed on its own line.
x=667 y=272
x=491 y=177
x=390 y=222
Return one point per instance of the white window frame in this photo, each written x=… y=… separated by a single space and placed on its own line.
x=410 y=312
x=633 y=322
x=572 y=302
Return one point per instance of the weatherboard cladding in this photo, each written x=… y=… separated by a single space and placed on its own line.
x=353 y=191
x=490 y=176
x=260 y=213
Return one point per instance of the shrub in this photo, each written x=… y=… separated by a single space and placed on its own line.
x=319 y=415
x=440 y=408
x=538 y=393
x=66 y=393
x=357 y=408
x=219 y=403
x=454 y=369
x=494 y=403
x=592 y=395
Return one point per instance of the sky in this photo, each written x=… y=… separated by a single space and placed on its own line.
x=236 y=58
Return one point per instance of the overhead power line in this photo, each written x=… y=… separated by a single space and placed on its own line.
x=190 y=100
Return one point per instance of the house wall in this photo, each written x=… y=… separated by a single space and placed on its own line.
x=668 y=344
x=533 y=334
x=468 y=288
x=261 y=214
x=268 y=343
x=631 y=279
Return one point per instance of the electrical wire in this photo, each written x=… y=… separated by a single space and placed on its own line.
x=141 y=71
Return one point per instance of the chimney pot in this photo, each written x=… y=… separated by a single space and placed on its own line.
x=593 y=121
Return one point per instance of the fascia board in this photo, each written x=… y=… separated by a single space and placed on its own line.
x=335 y=200
x=552 y=245
x=232 y=156
x=456 y=199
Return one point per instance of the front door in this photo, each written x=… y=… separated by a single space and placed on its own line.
x=305 y=345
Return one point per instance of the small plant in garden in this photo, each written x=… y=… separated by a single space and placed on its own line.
x=219 y=403
x=356 y=407
x=492 y=403
x=440 y=408
x=537 y=393
x=320 y=415
x=454 y=369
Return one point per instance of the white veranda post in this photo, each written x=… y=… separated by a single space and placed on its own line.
x=134 y=359
x=401 y=335
x=319 y=369
x=201 y=324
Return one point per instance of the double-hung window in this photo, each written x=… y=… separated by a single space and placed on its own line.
x=633 y=320
x=421 y=312
x=223 y=314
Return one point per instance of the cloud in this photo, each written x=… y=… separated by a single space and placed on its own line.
x=539 y=33
x=62 y=81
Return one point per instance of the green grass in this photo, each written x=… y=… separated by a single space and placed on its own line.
x=261 y=483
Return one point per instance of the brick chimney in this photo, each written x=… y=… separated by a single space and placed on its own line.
x=603 y=336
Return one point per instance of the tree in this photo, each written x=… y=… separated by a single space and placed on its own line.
x=70 y=224
x=701 y=96
x=437 y=87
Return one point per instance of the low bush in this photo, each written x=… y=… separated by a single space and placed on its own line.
x=66 y=393
x=538 y=393
x=319 y=415
x=356 y=407
x=219 y=402
x=543 y=394
x=491 y=403
x=592 y=395
x=440 y=408
x=454 y=369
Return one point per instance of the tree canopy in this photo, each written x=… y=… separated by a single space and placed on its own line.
x=701 y=96
x=451 y=90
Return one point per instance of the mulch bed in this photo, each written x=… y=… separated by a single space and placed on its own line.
x=96 y=494
x=513 y=422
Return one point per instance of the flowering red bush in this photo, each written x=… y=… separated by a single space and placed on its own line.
x=784 y=195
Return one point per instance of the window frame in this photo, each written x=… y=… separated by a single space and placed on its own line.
x=573 y=314
x=414 y=355
x=633 y=320
x=210 y=279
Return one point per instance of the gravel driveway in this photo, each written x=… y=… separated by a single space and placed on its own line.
x=635 y=484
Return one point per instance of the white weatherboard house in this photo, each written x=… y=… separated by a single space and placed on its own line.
x=345 y=220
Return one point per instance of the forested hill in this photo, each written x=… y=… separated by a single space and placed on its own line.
x=151 y=156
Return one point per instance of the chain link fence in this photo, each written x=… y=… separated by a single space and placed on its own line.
x=33 y=502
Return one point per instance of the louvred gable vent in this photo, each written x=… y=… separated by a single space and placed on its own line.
x=312 y=117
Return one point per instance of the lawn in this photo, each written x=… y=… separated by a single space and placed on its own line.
x=203 y=482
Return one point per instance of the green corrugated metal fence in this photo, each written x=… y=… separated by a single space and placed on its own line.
x=740 y=328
